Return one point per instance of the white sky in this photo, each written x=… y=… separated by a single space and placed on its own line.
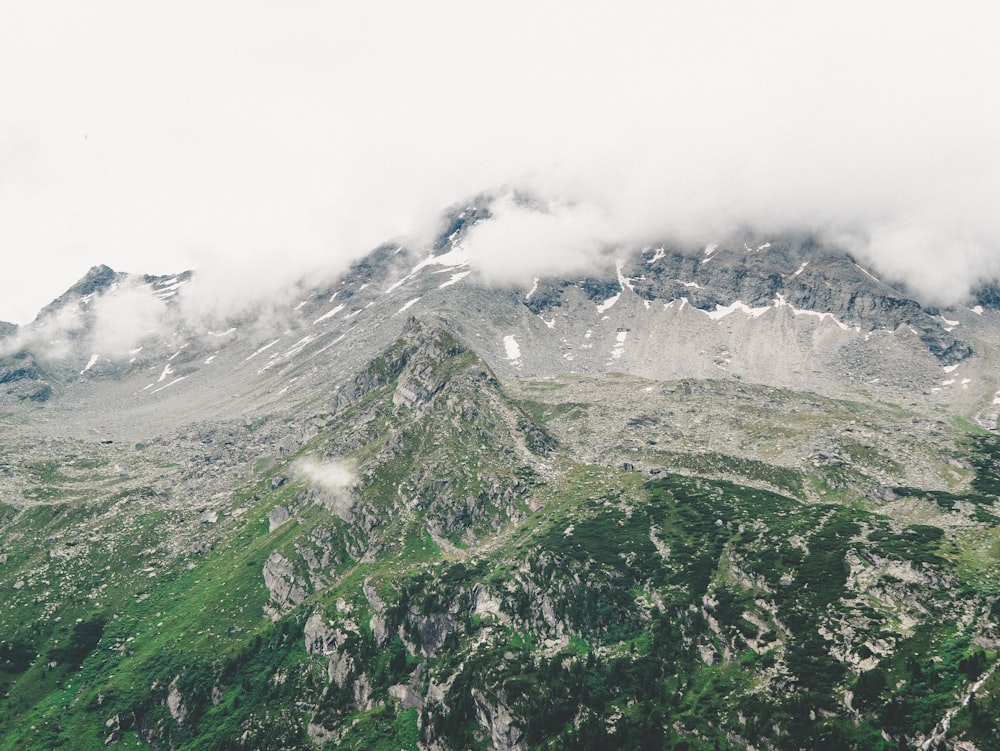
x=259 y=140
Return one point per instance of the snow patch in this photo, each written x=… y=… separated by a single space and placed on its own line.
x=407 y=305
x=978 y=310
x=299 y=346
x=329 y=314
x=623 y=280
x=534 y=288
x=262 y=349
x=91 y=363
x=458 y=256
x=683 y=303
x=166 y=371
x=456 y=277
x=512 y=349
x=780 y=302
x=325 y=348
x=163 y=290
x=867 y=273
x=657 y=255
x=168 y=385
x=721 y=312
x=801 y=269
x=609 y=303
x=619 y=349
x=551 y=324
x=950 y=368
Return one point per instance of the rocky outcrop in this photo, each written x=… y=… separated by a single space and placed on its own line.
x=432 y=629
x=427 y=344
x=97 y=279
x=795 y=271
x=175 y=702
x=497 y=720
x=281 y=582
x=278 y=516
x=406 y=696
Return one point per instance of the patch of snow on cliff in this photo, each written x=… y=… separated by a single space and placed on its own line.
x=868 y=274
x=456 y=277
x=721 y=312
x=948 y=325
x=623 y=280
x=780 y=302
x=534 y=287
x=619 y=349
x=167 y=385
x=262 y=349
x=609 y=303
x=407 y=305
x=512 y=349
x=329 y=314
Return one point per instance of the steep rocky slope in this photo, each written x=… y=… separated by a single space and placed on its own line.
x=418 y=560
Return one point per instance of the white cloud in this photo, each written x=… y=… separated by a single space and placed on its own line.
x=258 y=137
x=49 y=338
x=332 y=475
x=334 y=479
x=123 y=317
x=524 y=241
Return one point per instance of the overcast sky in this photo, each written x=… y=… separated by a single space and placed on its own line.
x=259 y=140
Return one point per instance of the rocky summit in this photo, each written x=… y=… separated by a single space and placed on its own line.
x=739 y=496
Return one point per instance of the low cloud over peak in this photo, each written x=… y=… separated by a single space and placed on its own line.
x=316 y=133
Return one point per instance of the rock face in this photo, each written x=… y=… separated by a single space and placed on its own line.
x=95 y=281
x=175 y=702
x=499 y=723
x=278 y=516
x=281 y=582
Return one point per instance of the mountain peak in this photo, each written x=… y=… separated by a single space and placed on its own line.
x=96 y=279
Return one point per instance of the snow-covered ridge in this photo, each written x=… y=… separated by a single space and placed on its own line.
x=721 y=311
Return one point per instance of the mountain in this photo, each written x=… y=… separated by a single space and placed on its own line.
x=744 y=496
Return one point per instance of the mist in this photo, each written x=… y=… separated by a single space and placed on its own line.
x=332 y=481
x=260 y=145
